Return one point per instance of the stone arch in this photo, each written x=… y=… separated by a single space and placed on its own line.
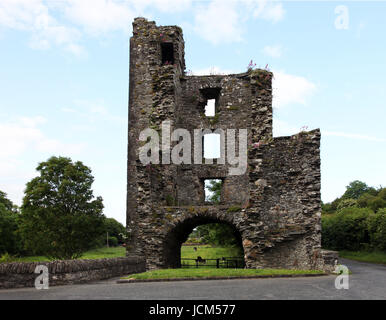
x=180 y=232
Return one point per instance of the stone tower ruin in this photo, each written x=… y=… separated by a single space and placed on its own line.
x=274 y=208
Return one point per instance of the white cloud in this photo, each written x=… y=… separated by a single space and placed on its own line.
x=33 y=16
x=22 y=145
x=218 y=22
x=273 y=51
x=270 y=11
x=92 y=111
x=223 y=21
x=162 y=5
x=289 y=89
x=100 y=16
x=24 y=135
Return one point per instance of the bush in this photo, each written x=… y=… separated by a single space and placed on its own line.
x=346 y=230
x=376 y=204
x=382 y=194
x=377 y=230
x=346 y=203
x=113 y=241
x=354 y=229
x=364 y=199
x=6 y=258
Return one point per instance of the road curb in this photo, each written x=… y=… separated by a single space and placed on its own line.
x=120 y=281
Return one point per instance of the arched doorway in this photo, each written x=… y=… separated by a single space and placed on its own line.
x=180 y=233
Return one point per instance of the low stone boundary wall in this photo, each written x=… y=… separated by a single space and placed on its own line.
x=61 y=272
x=326 y=260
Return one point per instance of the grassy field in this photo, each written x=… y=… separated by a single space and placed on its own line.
x=99 y=253
x=364 y=256
x=212 y=272
x=209 y=252
x=206 y=252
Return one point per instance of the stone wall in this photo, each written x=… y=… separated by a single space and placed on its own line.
x=273 y=208
x=62 y=272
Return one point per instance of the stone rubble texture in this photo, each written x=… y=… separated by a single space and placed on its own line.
x=274 y=208
x=62 y=272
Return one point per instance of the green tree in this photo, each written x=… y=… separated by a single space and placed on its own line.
x=114 y=229
x=377 y=203
x=60 y=217
x=9 y=241
x=377 y=229
x=218 y=234
x=355 y=189
x=347 y=203
x=365 y=199
x=382 y=194
x=8 y=205
x=215 y=191
x=334 y=205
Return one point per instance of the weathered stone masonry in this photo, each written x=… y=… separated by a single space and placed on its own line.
x=62 y=272
x=274 y=208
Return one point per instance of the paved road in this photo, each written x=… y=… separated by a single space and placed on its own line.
x=367 y=281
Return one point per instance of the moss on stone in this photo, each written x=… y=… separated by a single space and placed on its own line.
x=233 y=209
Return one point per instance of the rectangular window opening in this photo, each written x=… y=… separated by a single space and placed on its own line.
x=211 y=96
x=167 y=52
x=213 y=189
x=212 y=146
x=210 y=108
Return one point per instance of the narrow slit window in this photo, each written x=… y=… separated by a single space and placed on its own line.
x=212 y=146
x=167 y=52
x=210 y=108
x=213 y=190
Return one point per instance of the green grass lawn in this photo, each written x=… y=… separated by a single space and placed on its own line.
x=205 y=251
x=112 y=252
x=365 y=256
x=212 y=272
x=209 y=252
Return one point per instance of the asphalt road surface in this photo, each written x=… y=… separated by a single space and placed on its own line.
x=367 y=281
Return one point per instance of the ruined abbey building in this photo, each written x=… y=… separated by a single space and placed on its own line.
x=274 y=207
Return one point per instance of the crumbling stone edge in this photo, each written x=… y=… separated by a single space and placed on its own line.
x=121 y=281
x=63 y=272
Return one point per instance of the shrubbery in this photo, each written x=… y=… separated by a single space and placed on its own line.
x=377 y=229
x=356 y=220
x=354 y=229
x=113 y=241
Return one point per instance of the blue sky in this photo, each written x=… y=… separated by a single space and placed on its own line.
x=64 y=80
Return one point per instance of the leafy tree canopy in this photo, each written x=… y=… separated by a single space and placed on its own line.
x=60 y=217
x=355 y=189
x=8 y=225
x=214 y=187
